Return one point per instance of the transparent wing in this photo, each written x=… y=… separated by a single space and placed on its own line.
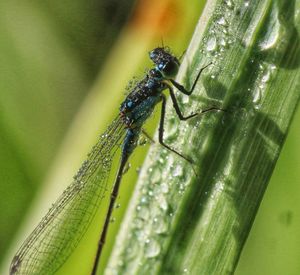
x=60 y=231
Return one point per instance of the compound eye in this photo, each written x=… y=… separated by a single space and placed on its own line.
x=170 y=69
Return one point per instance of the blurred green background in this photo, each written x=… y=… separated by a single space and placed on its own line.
x=63 y=69
x=50 y=55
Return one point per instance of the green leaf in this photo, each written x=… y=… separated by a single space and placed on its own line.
x=98 y=110
x=273 y=241
x=179 y=222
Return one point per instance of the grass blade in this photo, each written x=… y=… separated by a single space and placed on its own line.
x=182 y=223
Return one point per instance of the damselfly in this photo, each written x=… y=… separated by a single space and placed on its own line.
x=60 y=231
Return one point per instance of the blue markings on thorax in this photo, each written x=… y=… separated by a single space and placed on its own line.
x=138 y=106
x=137 y=116
x=135 y=110
x=143 y=110
x=129 y=104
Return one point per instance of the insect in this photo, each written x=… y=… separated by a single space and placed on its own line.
x=60 y=231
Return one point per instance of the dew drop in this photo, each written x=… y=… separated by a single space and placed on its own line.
x=131 y=251
x=138 y=223
x=144 y=200
x=152 y=249
x=178 y=171
x=164 y=188
x=211 y=44
x=161 y=160
x=221 y=21
x=225 y=31
x=142 y=212
x=219 y=186
x=229 y=4
x=185 y=99
x=141 y=235
x=155 y=177
x=257 y=96
x=160 y=225
x=223 y=42
x=272 y=34
x=266 y=77
x=162 y=202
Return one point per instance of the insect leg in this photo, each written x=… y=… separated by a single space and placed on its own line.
x=176 y=106
x=179 y=113
x=181 y=87
x=161 y=130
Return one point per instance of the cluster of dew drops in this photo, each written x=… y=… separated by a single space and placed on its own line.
x=154 y=213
